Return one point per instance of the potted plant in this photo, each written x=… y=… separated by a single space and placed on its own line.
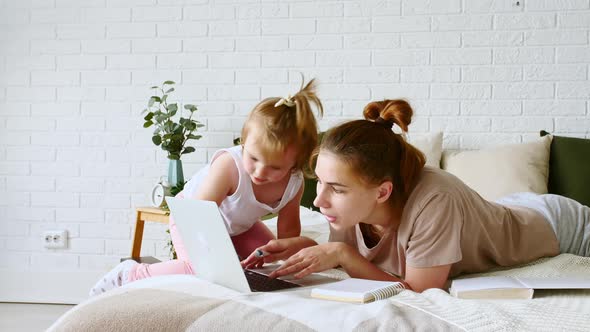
x=172 y=130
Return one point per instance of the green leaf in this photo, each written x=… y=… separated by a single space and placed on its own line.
x=151 y=102
x=188 y=149
x=199 y=125
x=147 y=124
x=173 y=191
x=160 y=118
x=190 y=107
x=149 y=116
x=237 y=141
x=176 y=129
x=169 y=90
x=190 y=125
x=169 y=82
x=191 y=136
x=157 y=139
x=154 y=87
x=173 y=107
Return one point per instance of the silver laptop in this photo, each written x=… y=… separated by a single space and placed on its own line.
x=211 y=251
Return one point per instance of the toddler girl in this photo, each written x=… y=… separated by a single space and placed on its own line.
x=262 y=175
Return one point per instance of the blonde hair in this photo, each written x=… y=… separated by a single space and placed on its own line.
x=287 y=123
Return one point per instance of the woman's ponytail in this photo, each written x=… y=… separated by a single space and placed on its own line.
x=396 y=111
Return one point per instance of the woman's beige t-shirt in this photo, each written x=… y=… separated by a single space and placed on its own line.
x=446 y=222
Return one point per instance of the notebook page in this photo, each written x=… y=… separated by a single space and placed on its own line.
x=351 y=289
x=471 y=284
x=354 y=285
x=557 y=282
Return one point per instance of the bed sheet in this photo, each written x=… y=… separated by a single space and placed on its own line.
x=186 y=303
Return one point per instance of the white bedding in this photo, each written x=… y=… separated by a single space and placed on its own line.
x=431 y=310
x=183 y=302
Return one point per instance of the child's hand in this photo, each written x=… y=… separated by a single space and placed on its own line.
x=276 y=250
x=254 y=260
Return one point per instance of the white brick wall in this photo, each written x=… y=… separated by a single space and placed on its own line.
x=75 y=75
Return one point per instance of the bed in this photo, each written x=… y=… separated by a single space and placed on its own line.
x=186 y=303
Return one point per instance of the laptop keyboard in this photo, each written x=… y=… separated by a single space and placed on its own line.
x=262 y=283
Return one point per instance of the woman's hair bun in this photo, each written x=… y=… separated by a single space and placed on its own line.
x=396 y=111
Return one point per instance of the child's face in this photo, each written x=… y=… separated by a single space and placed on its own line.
x=266 y=170
x=342 y=198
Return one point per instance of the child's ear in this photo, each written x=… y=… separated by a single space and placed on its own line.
x=384 y=191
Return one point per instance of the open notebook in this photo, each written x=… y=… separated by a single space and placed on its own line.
x=357 y=290
x=511 y=287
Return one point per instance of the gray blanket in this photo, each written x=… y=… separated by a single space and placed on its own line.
x=164 y=310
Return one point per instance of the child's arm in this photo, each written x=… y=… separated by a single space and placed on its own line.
x=221 y=181
x=288 y=223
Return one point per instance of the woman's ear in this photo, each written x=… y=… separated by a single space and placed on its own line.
x=384 y=191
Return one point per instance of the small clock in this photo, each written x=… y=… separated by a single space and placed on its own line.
x=159 y=192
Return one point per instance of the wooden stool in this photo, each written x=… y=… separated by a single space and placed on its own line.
x=143 y=214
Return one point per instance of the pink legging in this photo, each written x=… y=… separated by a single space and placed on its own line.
x=244 y=244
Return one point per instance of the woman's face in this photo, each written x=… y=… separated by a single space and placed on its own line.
x=342 y=198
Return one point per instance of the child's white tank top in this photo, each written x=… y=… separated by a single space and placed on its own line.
x=241 y=210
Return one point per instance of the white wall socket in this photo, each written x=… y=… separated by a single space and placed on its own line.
x=55 y=239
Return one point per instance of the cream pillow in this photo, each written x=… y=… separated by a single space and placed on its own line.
x=430 y=145
x=496 y=172
x=313 y=225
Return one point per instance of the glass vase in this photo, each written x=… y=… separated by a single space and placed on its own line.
x=175 y=175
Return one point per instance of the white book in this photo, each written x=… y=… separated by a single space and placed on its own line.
x=357 y=290
x=511 y=287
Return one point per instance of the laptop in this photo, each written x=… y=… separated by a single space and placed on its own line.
x=211 y=251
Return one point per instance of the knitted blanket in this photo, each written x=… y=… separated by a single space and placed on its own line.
x=186 y=303
x=549 y=310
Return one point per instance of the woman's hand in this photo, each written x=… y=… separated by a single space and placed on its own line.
x=313 y=259
x=276 y=250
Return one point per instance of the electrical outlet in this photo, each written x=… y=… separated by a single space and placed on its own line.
x=55 y=239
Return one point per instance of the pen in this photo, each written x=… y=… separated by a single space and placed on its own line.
x=259 y=253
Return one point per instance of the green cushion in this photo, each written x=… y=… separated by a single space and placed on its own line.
x=309 y=193
x=569 y=168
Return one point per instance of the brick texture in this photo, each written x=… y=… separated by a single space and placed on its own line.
x=75 y=76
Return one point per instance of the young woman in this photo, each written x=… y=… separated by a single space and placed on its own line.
x=392 y=218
